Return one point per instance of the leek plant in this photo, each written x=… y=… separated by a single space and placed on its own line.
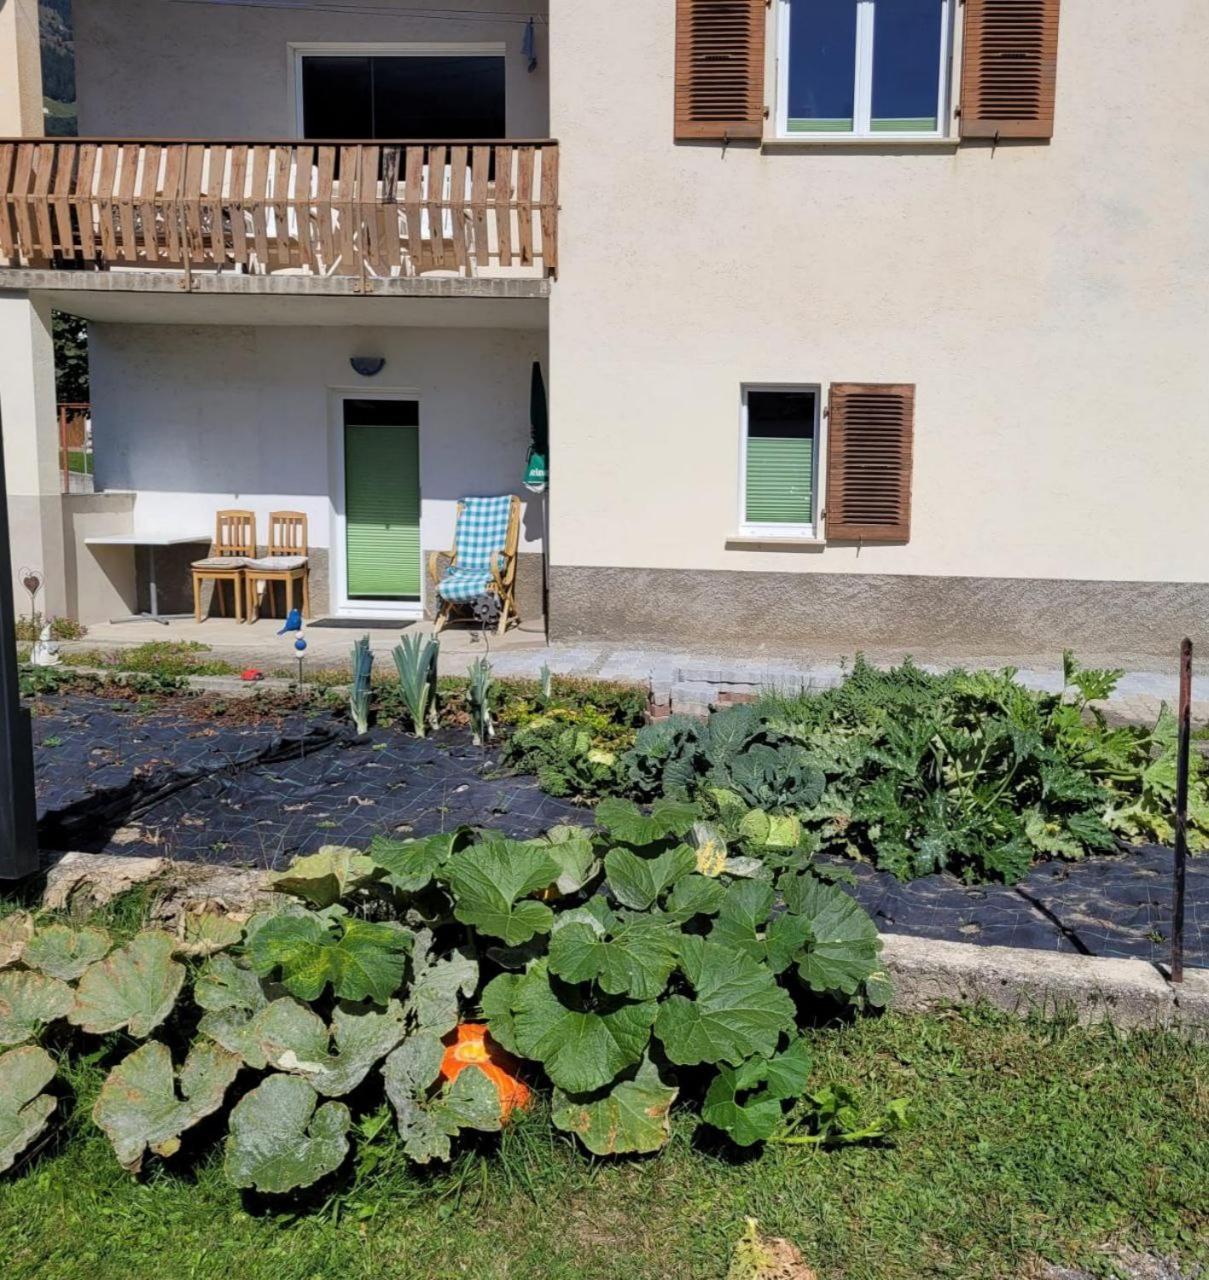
x=358 y=698
x=416 y=661
x=478 y=700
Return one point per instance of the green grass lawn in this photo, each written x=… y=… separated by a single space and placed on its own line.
x=80 y=461
x=1031 y=1141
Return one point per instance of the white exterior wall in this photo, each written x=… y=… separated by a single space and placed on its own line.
x=194 y=419
x=1050 y=302
x=153 y=68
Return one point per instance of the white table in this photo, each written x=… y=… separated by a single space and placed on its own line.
x=151 y=541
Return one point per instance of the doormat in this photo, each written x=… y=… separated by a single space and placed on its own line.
x=362 y=624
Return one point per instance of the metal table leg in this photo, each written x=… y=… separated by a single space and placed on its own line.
x=153 y=615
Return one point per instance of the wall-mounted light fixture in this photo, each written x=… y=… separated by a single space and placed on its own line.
x=367 y=366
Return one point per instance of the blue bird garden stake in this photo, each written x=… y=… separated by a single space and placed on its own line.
x=300 y=650
x=293 y=622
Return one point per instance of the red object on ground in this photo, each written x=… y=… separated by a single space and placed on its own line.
x=473 y=1047
x=251 y=674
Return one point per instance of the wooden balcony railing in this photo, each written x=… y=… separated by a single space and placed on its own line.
x=363 y=209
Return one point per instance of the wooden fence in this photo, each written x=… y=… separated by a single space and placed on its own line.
x=380 y=209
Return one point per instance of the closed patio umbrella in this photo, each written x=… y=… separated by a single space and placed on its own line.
x=537 y=466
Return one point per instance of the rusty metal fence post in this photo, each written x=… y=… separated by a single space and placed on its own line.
x=1183 y=762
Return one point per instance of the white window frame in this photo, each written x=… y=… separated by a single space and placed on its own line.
x=748 y=528
x=863 y=81
x=413 y=49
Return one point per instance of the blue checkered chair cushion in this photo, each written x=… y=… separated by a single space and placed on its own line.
x=481 y=534
x=460 y=586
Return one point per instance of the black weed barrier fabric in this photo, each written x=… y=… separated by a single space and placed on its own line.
x=168 y=783
x=185 y=784
x=1105 y=906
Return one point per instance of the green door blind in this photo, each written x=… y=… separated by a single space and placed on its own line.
x=780 y=480
x=382 y=510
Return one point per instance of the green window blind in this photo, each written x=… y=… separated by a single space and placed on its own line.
x=382 y=510
x=780 y=480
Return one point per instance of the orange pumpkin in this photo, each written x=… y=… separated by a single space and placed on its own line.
x=471 y=1046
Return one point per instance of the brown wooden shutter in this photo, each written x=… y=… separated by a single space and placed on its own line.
x=719 y=69
x=1009 y=68
x=870 y=430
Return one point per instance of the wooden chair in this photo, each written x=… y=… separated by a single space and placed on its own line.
x=287 y=562
x=483 y=561
x=234 y=544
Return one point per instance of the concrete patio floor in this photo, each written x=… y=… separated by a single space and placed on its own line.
x=683 y=681
x=258 y=644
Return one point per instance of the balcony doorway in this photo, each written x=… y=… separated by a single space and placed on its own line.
x=401 y=92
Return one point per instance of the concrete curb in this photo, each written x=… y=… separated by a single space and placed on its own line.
x=1130 y=994
x=927 y=974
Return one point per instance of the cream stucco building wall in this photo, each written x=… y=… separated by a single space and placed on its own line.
x=1049 y=301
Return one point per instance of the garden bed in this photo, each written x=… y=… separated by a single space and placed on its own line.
x=256 y=783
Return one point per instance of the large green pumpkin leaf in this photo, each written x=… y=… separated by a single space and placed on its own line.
x=291 y=1037
x=583 y=1046
x=740 y=922
x=784 y=940
x=488 y=881
x=695 y=895
x=842 y=948
x=625 y=821
x=63 y=952
x=278 y=1140
x=595 y=913
x=427 y=1122
x=258 y=1036
x=438 y=987
x=135 y=987
x=412 y=865
x=224 y=984
x=745 y=1101
x=631 y=1118
x=496 y=1006
x=297 y=1041
x=28 y=1001
x=325 y=877
x=359 y=959
x=16 y=929
x=739 y=1010
x=24 y=1108
x=636 y=960
x=638 y=882
x=138 y=1106
x=573 y=852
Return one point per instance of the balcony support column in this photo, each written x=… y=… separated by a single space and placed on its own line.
x=31 y=449
x=20 y=70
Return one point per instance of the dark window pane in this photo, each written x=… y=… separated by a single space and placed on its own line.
x=822 y=65
x=382 y=413
x=906 y=65
x=780 y=414
x=439 y=97
x=336 y=100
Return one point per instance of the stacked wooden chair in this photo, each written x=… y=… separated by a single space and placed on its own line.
x=483 y=560
x=287 y=563
x=233 y=559
x=234 y=545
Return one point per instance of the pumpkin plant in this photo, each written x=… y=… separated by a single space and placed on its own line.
x=452 y=975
